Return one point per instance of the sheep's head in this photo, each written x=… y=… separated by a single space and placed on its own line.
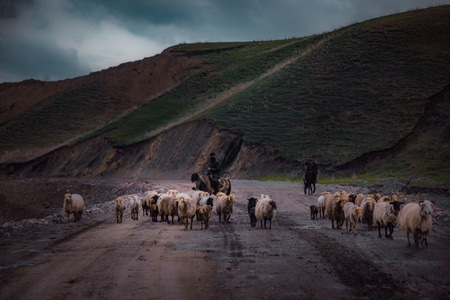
x=172 y=192
x=251 y=202
x=181 y=202
x=203 y=194
x=154 y=199
x=273 y=204
x=426 y=208
x=371 y=203
x=395 y=206
x=68 y=199
x=352 y=197
x=231 y=198
x=210 y=201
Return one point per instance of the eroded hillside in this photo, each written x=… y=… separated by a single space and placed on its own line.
x=360 y=99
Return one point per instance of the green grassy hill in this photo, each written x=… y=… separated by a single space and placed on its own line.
x=336 y=96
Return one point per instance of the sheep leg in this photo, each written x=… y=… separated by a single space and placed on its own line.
x=391 y=230
x=354 y=229
x=379 y=230
x=192 y=221
x=228 y=218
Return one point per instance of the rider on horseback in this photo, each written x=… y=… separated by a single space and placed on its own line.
x=310 y=176
x=310 y=165
x=214 y=171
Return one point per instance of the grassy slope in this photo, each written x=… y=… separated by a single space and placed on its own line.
x=360 y=91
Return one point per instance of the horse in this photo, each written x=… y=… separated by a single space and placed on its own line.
x=204 y=183
x=310 y=181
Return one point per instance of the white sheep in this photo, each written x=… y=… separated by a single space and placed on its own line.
x=186 y=210
x=351 y=214
x=416 y=218
x=224 y=206
x=321 y=204
x=385 y=214
x=368 y=206
x=119 y=208
x=265 y=209
x=73 y=204
x=135 y=210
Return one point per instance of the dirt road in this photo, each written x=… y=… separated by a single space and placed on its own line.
x=298 y=258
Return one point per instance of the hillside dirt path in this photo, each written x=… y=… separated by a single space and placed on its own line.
x=239 y=88
x=298 y=258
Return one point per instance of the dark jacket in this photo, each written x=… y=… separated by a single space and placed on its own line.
x=214 y=168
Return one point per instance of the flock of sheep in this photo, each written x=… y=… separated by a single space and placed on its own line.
x=185 y=206
x=340 y=207
x=384 y=211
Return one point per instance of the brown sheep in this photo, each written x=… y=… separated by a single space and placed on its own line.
x=120 y=207
x=167 y=206
x=135 y=210
x=204 y=213
x=186 y=210
x=314 y=211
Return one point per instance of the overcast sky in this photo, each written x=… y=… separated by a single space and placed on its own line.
x=58 y=39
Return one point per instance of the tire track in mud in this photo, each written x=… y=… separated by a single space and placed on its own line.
x=352 y=268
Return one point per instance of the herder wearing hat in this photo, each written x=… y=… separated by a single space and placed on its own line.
x=214 y=171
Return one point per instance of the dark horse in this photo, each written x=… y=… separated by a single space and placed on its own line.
x=204 y=183
x=310 y=181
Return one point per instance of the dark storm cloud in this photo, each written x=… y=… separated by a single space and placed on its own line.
x=49 y=39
